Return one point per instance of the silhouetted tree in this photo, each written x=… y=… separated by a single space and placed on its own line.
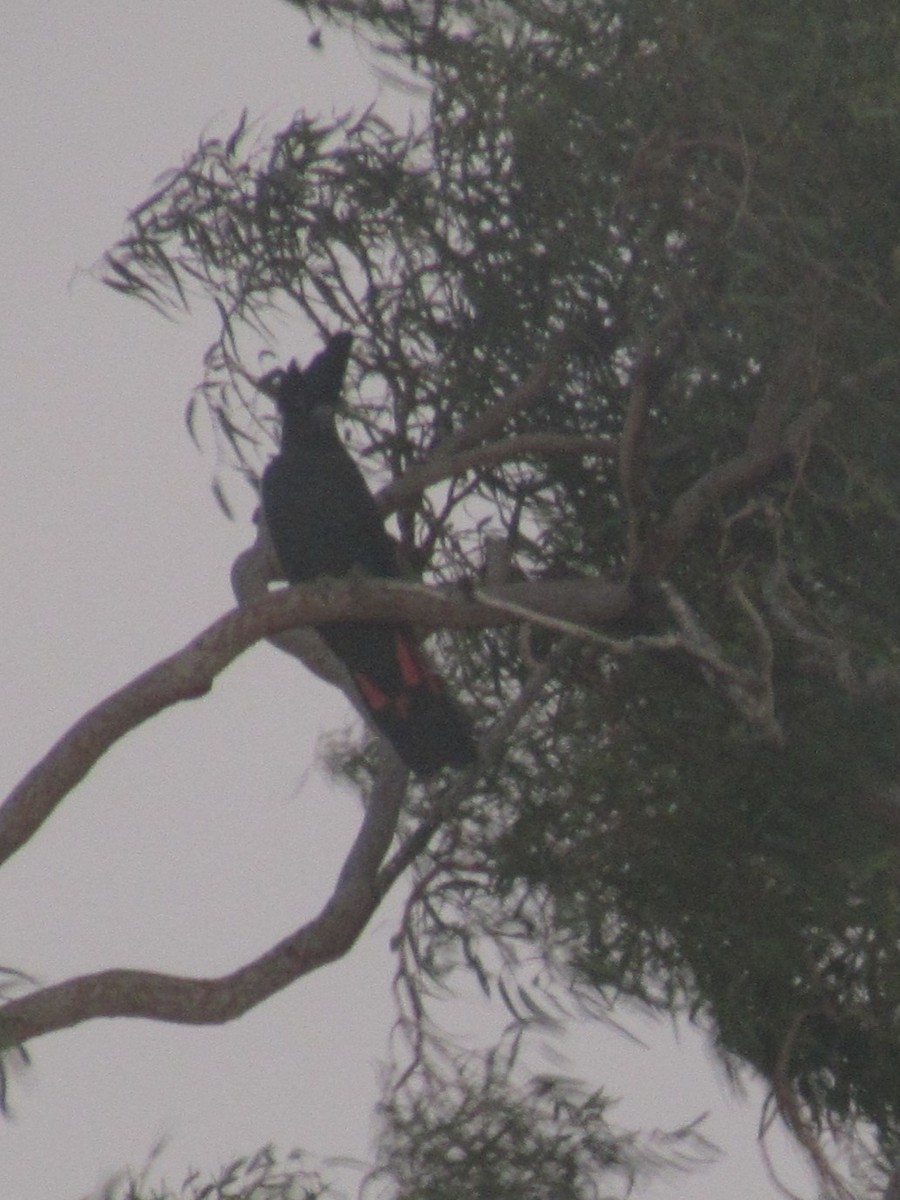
x=625 y=301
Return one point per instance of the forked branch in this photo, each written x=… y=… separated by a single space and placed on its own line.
x=361 y=886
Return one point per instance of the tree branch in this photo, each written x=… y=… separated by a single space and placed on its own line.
x=630 y=447
x=189 y=1001
x=149 y=994
x=360 y=887
x=134 y=993
x=758 y=461
x=442 y=466
x=489 y=424
x=190 y=672
x=252 y=573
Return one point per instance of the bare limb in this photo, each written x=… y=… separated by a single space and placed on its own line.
x=360 y=887
x=380 y=822
x=149 y=994
x=548 y=621
x=443 y=466
x=751 y=694
x=252 y=572
x=190 y=672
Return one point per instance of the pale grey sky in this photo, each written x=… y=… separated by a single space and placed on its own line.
x=205 y=836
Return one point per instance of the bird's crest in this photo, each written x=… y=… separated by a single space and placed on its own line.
x=319 y=386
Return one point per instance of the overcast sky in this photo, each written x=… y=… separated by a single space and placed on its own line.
x=208 y=834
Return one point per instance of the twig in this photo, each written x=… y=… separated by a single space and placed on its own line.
x=494 y=418
x=742 y=687
x=790 y=1112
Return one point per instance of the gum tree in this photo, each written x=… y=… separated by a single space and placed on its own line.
x=625 y=296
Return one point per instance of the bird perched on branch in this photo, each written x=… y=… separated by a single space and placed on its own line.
x=323 y=520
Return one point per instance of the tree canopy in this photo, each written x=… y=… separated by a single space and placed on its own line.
x=625 y=293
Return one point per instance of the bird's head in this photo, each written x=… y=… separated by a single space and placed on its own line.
x=309 y=398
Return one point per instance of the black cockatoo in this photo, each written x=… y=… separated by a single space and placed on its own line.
x=323 y=520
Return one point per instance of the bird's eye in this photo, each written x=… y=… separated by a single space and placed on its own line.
x=270 y=384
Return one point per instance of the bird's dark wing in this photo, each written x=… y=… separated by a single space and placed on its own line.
x=323 y=520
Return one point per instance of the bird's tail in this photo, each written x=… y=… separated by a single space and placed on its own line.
x=408 y=702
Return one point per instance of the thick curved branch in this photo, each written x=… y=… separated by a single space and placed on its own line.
x=360 y=888
x=359 y=891
x=190 y=672
x=630 y=447
x=149 y=994
x=252 y=573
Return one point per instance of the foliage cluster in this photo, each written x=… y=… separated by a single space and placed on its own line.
x=698 y=203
